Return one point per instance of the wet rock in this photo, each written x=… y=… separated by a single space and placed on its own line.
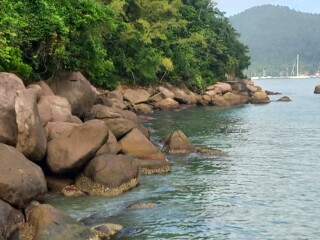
x=72 y=191
x=11 y=220
x=284 y=99
x=21 y=181
x=86 y=139
x=108 y=175
x=31 y=139
x=317 y=89
x=137 y=145
x=49 y=223
x=107 y=230
x=57 y=183
x=9 y=84
x=272 y=93
x=54 y=109
x=178 y=143
x=259 y=97
x=143 y=205
x=76 y=89
x=211 y=151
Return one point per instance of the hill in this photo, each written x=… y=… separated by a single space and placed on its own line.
x=275 y=35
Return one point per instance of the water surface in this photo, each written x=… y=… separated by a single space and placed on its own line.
x=266 y=188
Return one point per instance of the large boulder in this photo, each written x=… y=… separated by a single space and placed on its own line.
x=218 y=100
x=180 y=95
x=31 y=140
x=178 y=143
x=59 y=129
x=109 y=175
x=232 y=98
x=317 y=89
x=46 y=90
x=76 y=89
x=136 y=96
x=120 y=126
x=21 y=181
x=259 y=97
x=49 y=223
x=136 y=144
x=220 y=87
x=166 y=104
x=9 y=84
x=69 y=153
x=143 y=108
x=111 y=146
x=54 y=109
x=11 y=220
x=166 y=92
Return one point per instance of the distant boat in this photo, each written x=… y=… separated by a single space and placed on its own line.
x=297 y=65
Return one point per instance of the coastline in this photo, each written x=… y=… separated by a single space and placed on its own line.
x=113 y=146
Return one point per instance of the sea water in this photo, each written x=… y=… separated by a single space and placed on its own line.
x=268 y=187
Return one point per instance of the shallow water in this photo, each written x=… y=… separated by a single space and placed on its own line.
x=266 y=188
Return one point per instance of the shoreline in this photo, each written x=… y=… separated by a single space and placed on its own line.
x=41 y=126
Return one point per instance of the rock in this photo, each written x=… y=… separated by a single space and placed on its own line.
x=9 y=84
x=57 y=184
x=46 y=90
x=219 y=101
x=259 y=97
x=36 y=89
x=111 y=146
x=136 y=144
x=115 y=95
x=21 y=181
x=214 y=92
x=284 y=99
x=31 y=140
x=211 y=151
x=153 y=166
x=143 y=205
x=118 y=104
x=166 y=104
x=101 y=112
x=108 y=175
x=72 y=191
x=54 y=109
x=49 y=223
x=143 y=108
x=103 y=100
x=252 y=88
x=223 y=87
x=179 y=95
x=166 y=92
x=178 y=143
x=136 y=96
x=11 y=220
x=107 y=230
x=272 y=93
x=317 y=89
x=232 y=98
x=86 y=139
x=59 y=129
x=238 y=85
x=75 y=119
x=120 y=126
x=76 y=89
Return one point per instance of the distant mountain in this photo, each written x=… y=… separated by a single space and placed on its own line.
x=275 y=35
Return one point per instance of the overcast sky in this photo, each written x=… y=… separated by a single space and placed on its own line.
x=231 y=7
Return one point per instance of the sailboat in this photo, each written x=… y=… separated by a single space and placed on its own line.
x=297 y=73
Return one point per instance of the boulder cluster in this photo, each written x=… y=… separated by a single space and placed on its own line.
x=68 y=137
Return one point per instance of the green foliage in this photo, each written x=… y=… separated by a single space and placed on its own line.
x=111 y=41
x=275 y=35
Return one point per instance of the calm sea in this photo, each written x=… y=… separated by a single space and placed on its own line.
x=268 y=187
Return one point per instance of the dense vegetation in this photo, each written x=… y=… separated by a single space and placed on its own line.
x=111 y=41
x=275 y=35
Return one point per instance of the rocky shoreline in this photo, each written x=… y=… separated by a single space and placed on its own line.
x=68 y=137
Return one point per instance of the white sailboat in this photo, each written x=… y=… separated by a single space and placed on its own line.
x=297 y=74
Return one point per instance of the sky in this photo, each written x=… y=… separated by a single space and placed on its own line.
x=232 y=7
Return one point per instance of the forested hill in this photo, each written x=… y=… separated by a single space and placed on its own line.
x=275 y=35
x=120 y=41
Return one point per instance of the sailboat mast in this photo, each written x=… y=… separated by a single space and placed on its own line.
x=298 y=64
